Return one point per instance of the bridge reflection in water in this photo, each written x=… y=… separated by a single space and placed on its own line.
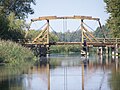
x=69 y=73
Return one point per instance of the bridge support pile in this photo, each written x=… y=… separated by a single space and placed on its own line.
x=108 y=51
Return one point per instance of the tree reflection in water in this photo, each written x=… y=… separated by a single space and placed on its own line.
x=115 y=76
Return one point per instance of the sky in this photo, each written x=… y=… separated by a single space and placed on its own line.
x=94 y=8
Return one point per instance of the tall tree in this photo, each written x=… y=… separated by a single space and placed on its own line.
x=11 y=13
x=113 y=8
x=11 y=28
x=21 y=8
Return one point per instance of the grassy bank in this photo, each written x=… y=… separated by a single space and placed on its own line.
x=14 y=59
x=13 y=54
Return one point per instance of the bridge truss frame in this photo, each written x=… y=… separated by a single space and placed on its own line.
x=43 y=37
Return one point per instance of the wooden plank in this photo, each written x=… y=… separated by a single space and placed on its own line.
x=40 y=34
x=64 y=17
x=94 y=44
x=90 y=34
x=87 y=37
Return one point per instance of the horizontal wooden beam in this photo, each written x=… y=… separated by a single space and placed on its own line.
x=94 y=44
x=64 y=17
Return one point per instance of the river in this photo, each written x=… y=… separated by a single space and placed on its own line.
x=67 y=72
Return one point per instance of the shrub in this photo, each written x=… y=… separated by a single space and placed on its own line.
x=13 y=54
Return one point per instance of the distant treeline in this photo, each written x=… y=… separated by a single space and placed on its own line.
x=65 y=49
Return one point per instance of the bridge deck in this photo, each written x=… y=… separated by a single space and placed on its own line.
x=101 y=42
x=95 y=44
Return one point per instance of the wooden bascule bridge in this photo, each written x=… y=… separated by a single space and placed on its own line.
x=42 y=41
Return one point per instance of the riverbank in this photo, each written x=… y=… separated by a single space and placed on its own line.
x=14 y=59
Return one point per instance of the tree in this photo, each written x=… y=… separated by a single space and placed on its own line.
x=100 y=34
x=11 y=28
x=32 y=34
x=113 y=23
x=12 y=15
x=21 y=8
x=53 y=37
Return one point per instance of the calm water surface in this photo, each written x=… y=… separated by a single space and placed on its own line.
x=67 y=72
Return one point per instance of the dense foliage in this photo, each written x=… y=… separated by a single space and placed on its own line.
x=12 y=15
x=11 y=28
x=13 y=54
x=32 y=34
x=113 y=8
x=105 y=32
x=21 y=8
x=65 y=49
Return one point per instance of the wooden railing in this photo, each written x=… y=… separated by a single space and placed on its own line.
x=114 y=40
x=101 y=42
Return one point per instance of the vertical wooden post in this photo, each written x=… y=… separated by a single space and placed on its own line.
x=106 y=49
x=84 y=47
x=48 y=36
x=113 y=52
x=100 y=51
x=116 y=49
x=87 y=51
x=82 y=30
x=47 y=31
